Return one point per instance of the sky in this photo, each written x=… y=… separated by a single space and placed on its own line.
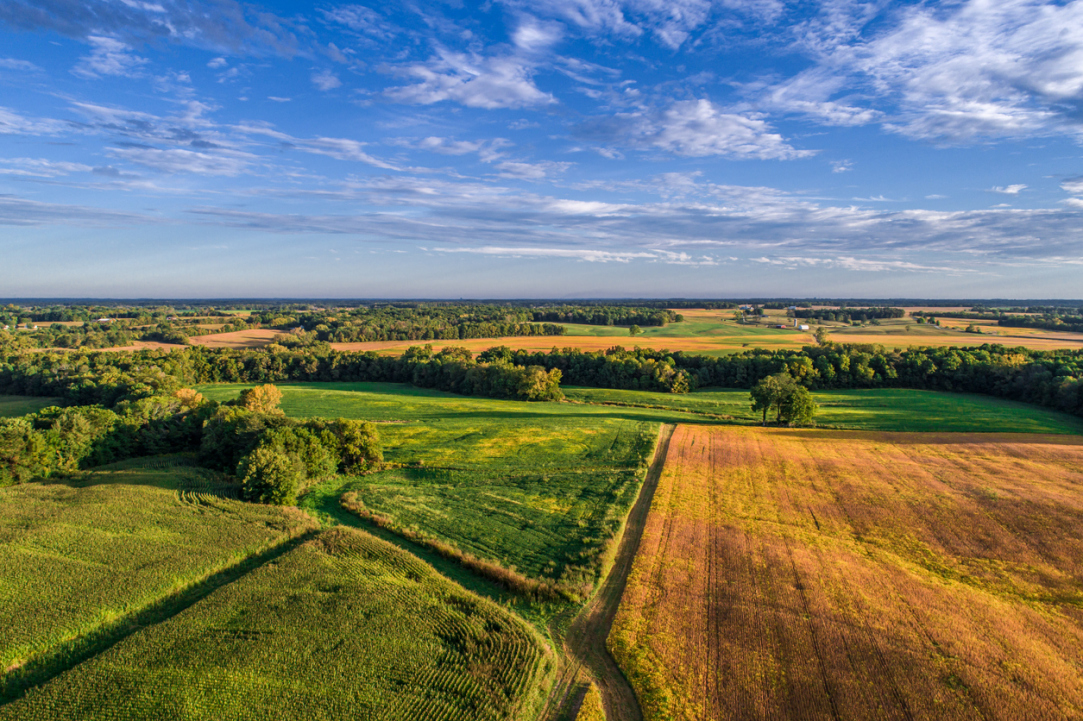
x=542 y=149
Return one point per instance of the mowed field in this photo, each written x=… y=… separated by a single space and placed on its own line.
x=822 y=574
x=345 y=626
x=77 y=557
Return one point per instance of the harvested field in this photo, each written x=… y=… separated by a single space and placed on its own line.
x=256 y=338
x=344 y=626
x=808 y=574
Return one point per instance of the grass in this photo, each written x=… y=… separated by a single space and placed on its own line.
x=78 y=556
x=14 y=406
x=344 y=626
x=881 y=409
x=808 y=574
x=539 y=488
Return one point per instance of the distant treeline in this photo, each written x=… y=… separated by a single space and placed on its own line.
x=1045 y=321
x=848 y=316
x=1072 y=323
x=608 y=315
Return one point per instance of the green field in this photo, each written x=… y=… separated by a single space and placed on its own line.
x=882 y=409
x=540 y=488
x=14 y=406
x=77 y=557
x=344 y=626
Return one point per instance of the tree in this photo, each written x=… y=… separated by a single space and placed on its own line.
x=797 y=408
x=821 y=336
x=261 y=399
x=770 y=392
x=271 y=476
x=792 y=402
x=635 y=330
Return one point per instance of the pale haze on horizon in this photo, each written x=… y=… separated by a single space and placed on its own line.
x=572 y=148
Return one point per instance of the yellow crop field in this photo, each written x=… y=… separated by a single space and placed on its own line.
x=807 y=574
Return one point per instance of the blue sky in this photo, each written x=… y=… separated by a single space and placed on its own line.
x=571 y=148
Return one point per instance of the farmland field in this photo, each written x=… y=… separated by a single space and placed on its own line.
x=880 y=409
x=819 y=574
x=537 y=487
x=78 y=556
x=14 y=406
x=343 y=626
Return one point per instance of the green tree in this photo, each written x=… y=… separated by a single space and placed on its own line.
x=770 y=392
x=635 y=330
x=821 y=336
x=271 y=476
x=797 y=408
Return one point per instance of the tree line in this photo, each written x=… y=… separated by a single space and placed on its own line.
x=849 y=315
x=1047 y=378
x=87 y=378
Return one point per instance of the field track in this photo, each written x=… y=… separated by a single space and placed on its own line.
x=585 y=642
x=852 y=575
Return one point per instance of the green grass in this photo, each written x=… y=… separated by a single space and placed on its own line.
x=538 y=487
x=344 y=626
x=77 y=556
x=14 y=406
x=882 y=409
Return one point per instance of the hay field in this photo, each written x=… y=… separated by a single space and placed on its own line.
x=80 y=555
x=807 y=574
x=344 y=626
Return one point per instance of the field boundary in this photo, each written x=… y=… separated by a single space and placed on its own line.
x=43 y=668
x=585 y=641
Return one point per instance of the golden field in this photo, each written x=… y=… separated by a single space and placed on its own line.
x=806 y=574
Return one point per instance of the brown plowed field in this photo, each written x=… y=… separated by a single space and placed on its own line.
x=793 y=574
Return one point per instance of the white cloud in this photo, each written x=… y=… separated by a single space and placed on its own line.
x=40 y=167
x=109 y=56
x=179 y=160
x=217 y=63
x=279 y=99
x=954 y=72
x=1008 y=190
x=1073 y=186
x=935 y=196
x=11 y=123
x=531 y=171
x=841 y=166
x=23 y=66
x=326 y=80
x=472 y=80
x=696 y=128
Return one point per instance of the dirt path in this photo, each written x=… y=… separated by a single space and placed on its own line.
x=585 y=641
